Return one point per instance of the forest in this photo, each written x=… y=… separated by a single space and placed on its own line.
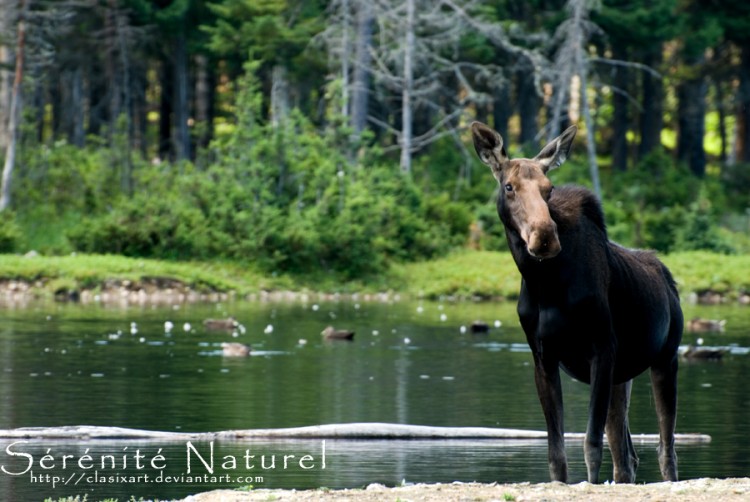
x=332 y=136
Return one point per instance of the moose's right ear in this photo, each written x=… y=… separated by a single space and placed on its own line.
x=489 y=146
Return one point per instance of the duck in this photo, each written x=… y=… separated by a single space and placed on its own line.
x=337 y=334
x=698 y=325
x=233 y=349
x=703 y=353
x=221 y=324
x=479 y=327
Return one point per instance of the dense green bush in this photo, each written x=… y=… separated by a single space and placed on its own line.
x=735 y=184
x=647 y=205
x=10 y=233
x=284 y=197
x=699 y=231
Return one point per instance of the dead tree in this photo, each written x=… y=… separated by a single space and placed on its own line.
x=15 y=107
x=7 y=8
x=416 y=58
x=570 y=72
x=362 y=61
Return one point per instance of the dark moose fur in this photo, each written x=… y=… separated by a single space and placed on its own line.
x=600 y=311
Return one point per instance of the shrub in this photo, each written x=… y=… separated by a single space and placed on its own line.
x=10 y=233
x=700 y=231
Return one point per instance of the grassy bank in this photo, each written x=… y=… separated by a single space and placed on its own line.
x=464 y=274
x=490 y=274
x=77 y=272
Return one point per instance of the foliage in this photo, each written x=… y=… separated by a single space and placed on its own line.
x=283 y=196
x=300 y=194
x=735 y=186
x=10 y=233
x=699 y=231
x=645 y=206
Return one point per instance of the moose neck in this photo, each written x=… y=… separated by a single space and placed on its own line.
x=580 y=227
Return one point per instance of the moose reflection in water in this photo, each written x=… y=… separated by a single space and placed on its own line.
x=601 y=312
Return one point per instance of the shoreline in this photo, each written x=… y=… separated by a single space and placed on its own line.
x=702 y=278
x=134 y=293
x=694 y=490
x=172 y=291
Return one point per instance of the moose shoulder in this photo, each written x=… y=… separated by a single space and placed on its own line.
x=602 y=312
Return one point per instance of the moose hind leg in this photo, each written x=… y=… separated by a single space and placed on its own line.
x=601 y=389
x=624 y=457
x=664 y=383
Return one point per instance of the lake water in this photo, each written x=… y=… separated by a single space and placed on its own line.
x=81 y=365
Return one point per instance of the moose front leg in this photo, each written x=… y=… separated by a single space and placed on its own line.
x=601 y=389
x=547 y=378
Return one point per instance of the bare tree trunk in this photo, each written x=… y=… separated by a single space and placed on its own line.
x=75 y=133
x=110 y=66
x=279 y=95
x=202 y=99
x=120 y=22
x=126 y=176
x=345 y=58
x=652 y=120
x=15 y=109
x=56 y=100
x=571 y=64
x=590 y=141
x=691 y=111
x=620 y=118
x=6 y=76
x=97 y=100
x=743 y=107
x=581 y=69
x=182 y=104
x=361 y=84
x=139 y=121
x=501 y=109
x=528 y=105
x=38 y=101
x=719 y=96
x=165 y=109
x=406 y=95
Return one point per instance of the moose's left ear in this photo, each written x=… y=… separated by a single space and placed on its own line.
x=557 y=150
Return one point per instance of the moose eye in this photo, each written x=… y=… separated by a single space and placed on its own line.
x=508 y=187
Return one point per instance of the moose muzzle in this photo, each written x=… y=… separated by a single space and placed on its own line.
x=542 y=241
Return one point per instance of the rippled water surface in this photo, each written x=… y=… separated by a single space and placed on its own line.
x=409 y=363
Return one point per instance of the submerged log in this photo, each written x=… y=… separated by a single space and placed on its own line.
x=328 y=431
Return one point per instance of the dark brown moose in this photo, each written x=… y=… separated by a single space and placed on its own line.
x=601 y=312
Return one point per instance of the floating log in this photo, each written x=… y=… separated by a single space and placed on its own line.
x=328 y=431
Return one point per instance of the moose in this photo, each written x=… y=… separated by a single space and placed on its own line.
x=601 y=312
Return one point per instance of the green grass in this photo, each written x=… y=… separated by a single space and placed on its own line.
x=462 y=274
x=492 y=274
x=697 y=271
x=90 y=271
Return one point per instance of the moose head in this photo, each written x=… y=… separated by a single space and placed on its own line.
x=525 y=189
